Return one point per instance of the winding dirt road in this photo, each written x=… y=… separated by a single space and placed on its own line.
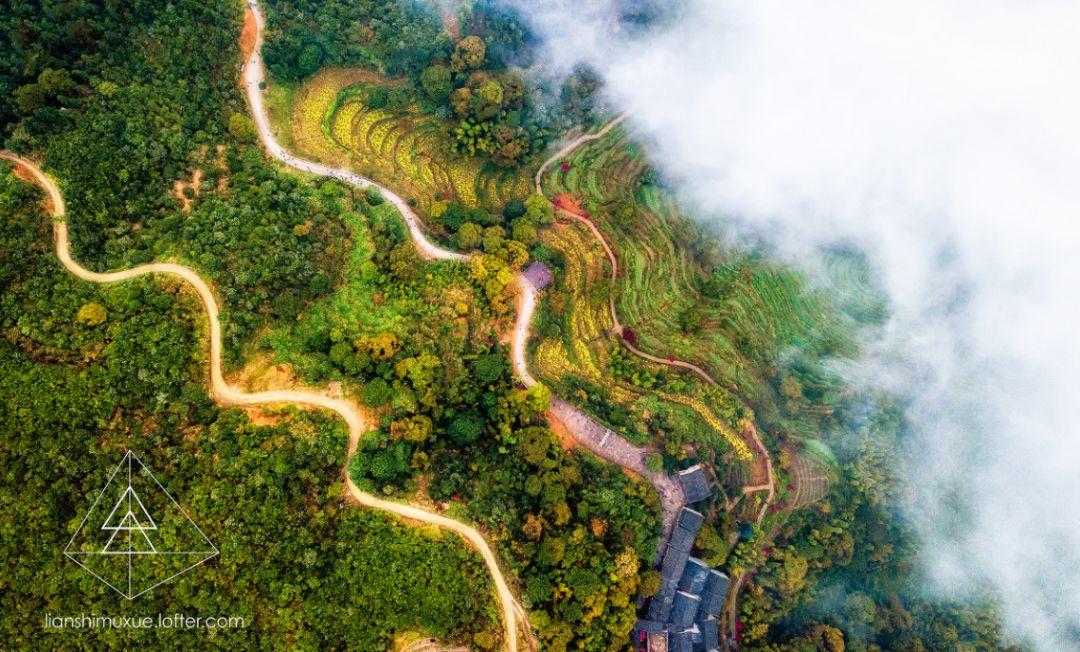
x=585 y=429
x=589 y=432
x=253 y=79
x=225 y=394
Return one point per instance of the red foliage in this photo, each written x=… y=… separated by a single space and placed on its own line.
x=791 y=487
x=565 y=167
x=629 y=335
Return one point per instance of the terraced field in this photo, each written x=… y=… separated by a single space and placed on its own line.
x=730 y=313
x=410 y=150
x=748 y=312
x=650 y=398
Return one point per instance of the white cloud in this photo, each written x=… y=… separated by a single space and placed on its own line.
x=943 y=137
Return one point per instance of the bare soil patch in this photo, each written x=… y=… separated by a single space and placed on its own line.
x=23 y=174
x=262 y=374
x=179 y=187
x=248 y=35
x=562 y=433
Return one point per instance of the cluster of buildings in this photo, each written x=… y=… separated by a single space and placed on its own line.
x=682 y=616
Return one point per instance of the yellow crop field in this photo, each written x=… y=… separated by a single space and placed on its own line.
x=740 y=448
x=405 y=148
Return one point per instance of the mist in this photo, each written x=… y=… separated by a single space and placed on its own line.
x=941 y=138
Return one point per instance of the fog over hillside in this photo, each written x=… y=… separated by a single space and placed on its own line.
x=943 y=139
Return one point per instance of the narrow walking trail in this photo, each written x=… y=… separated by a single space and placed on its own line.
x=589 y=432
x=225 y=394
x=617 y=329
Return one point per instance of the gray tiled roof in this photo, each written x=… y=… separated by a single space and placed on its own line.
x=649 y=626
x=694 y=483
x=681 y=540
x=712 y=596
x=689 y=591
x=660 y=606
x=681 y=642
x=691 y=519
x=674 y=564
x=696 y=636
x=693 y=576
x=710 y=634
x=684 y=609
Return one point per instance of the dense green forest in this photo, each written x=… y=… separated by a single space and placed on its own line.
x=134 y=107
x=148 y=103
x=421 y=342
x=843 y=573
x=149 y=98
x=475 y=78
x=87 y=373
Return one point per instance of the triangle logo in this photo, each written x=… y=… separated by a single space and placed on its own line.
x=136 y=536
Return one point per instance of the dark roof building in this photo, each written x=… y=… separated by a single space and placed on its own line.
x=681 y=642
x=710 y=635
x=676 y=557
x=691 y=520
x=649 y=626
x=685 y=609
x=694 y=483
x=660 y=605
x=682 y=540
x=713 y=593
x=538 y=274
x=694 y=576
x=688 y=591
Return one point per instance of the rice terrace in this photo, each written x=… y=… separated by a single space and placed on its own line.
x=418 y=317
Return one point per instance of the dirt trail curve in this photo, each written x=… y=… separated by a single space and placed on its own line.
x=253 y=78
x=617 y=329
x=586 y=430
x=228 y=395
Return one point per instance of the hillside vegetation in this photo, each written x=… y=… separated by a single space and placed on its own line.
x=88 y=372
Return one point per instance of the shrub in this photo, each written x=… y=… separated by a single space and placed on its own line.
x=242 y=128
x=514 y=209
x=376 y=393
x=373 y=196
x=466 y=428
x=92 y=314
x=650 y=583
